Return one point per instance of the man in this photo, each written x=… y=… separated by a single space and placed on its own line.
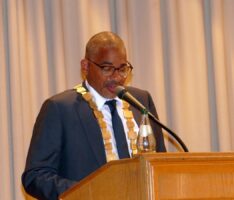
x=76 y=133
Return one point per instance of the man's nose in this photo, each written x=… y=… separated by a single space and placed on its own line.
x=116 y=75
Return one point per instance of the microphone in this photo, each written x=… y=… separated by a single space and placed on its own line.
x=122 y=93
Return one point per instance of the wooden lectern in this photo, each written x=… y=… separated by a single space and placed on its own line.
x=160 y=176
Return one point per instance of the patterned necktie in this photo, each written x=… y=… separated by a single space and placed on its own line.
x=118 y=128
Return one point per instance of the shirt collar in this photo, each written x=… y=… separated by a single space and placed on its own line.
x=100 y=100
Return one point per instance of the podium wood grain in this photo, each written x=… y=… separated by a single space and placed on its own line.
x=164 y=176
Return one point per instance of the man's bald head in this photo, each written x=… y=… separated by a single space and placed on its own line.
x=104 y=40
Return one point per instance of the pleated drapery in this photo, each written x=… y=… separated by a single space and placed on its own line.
x=182 y=52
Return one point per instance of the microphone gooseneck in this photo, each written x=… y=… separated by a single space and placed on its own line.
x=122 y=93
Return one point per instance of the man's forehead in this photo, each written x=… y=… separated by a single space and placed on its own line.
x=111 y=52
x=103 y=43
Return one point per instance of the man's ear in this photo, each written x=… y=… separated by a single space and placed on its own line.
x=84 y=68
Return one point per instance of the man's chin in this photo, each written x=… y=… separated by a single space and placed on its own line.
x=109 y=94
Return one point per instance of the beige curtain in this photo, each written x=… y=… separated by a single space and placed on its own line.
x=182 y=52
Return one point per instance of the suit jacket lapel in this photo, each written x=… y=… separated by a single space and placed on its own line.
x=92 y=129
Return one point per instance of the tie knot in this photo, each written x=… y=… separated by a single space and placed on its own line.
x=112 y=105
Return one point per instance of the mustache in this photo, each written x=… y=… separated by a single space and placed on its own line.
x=111 y=83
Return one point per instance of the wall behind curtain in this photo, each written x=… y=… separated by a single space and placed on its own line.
x=182 y=52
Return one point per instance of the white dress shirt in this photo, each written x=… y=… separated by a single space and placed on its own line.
x=100 y=102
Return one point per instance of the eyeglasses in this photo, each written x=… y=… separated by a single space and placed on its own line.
x=109 y=70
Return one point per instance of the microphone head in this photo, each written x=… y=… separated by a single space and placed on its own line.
x=120 y=91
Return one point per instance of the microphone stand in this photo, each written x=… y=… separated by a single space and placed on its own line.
x=169 y=131
x=122 y=93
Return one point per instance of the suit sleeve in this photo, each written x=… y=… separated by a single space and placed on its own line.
x=160 y=145
x=40 y=178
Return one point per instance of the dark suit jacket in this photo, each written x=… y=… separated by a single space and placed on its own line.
x=67 y=144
